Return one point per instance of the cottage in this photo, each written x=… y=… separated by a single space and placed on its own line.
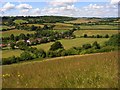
x=3 y=45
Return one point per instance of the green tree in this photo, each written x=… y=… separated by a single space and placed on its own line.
x=40 y=53
x=21 y=45
x=26 y=56
x=96 y=45
x=57 y=45
x=12 y=37
x=86 y=46
x=22 y=36
x=12 y=45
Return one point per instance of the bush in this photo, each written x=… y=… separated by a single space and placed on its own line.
x=86 y=46
x=55 y=46
x=22 y=45
x=40 y=53
x=114 y=40
x=26 y=56
x=72 y=51
x=95 y=45
x=6 y=61
x=51 y=54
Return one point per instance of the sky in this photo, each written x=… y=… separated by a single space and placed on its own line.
x=72 y=8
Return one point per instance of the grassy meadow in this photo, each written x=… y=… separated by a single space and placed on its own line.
x=69 y=43
x=15 y=32
x=10 y=53
x=95 y=32
x=83 y=20
x=20 y=21
x=41 y=25
x=98 y=27
x=80 y=71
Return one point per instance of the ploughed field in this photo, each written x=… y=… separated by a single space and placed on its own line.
x=79 y=71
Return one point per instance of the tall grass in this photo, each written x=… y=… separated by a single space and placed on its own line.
x=89 y=71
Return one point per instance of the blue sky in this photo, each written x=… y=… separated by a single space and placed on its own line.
x=74 y=8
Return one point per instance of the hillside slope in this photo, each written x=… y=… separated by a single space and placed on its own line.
x=86 y=71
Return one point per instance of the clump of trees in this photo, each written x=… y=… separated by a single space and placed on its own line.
x=95 y=36
x=114 y=40
x=57 y=45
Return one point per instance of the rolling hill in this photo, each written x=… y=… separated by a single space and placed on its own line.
x=80 y=71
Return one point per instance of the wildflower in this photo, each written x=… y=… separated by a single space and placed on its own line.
x=3 y=75
x=18 y=75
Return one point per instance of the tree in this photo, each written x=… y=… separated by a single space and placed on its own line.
x=85 y=36
x=26 y=56
x=86 y=46
x=40 y=53
x=12 y=45
x=45 y=27
x=106 y=36
x=114 y=40
x=21 y=45
x=12 y=37
x=57 y=45
x=96 y=45
x=22 y=36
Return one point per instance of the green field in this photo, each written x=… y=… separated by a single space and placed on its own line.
x=15 y=32
x=95 y=32
x=36 y=25
x=80 y=71
x=61 y=26
x=68 y=43
x=83 y=20
x=20 y=21
x=10 y=53
x=5 y=27
x=98 y=27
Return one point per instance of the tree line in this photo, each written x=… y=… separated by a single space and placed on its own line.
x=57 y=50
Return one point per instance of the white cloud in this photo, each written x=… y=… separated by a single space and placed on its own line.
x=115 y=1
x=36 y=11
x=24 y=6
x=61 y=2
x=8 y=6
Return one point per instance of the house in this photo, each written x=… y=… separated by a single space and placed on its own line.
x=3 y=45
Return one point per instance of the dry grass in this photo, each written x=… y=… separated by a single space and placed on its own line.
x=36 y=25
x=89 y=71
x=15 y=32
x=83 y=20
x=10 y=53
x=95 y=32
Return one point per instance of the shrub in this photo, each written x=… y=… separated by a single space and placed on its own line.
x=6 y=61
x=40 y=53
x=26 y=56
x=114 y=40
x=95 y=45
x=86 y=46
x=51 y=54
x=55 y=46
x=72 y=51
x=85 y=36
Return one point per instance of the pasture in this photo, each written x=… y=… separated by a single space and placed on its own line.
x=83 y=20
x=80 y=71
x=69 y=43
x=15 y=32
x=20 y=21
x=95 y=32
x=62 y=26
x=10 y=53
x=99 y=27
x=38 y=25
